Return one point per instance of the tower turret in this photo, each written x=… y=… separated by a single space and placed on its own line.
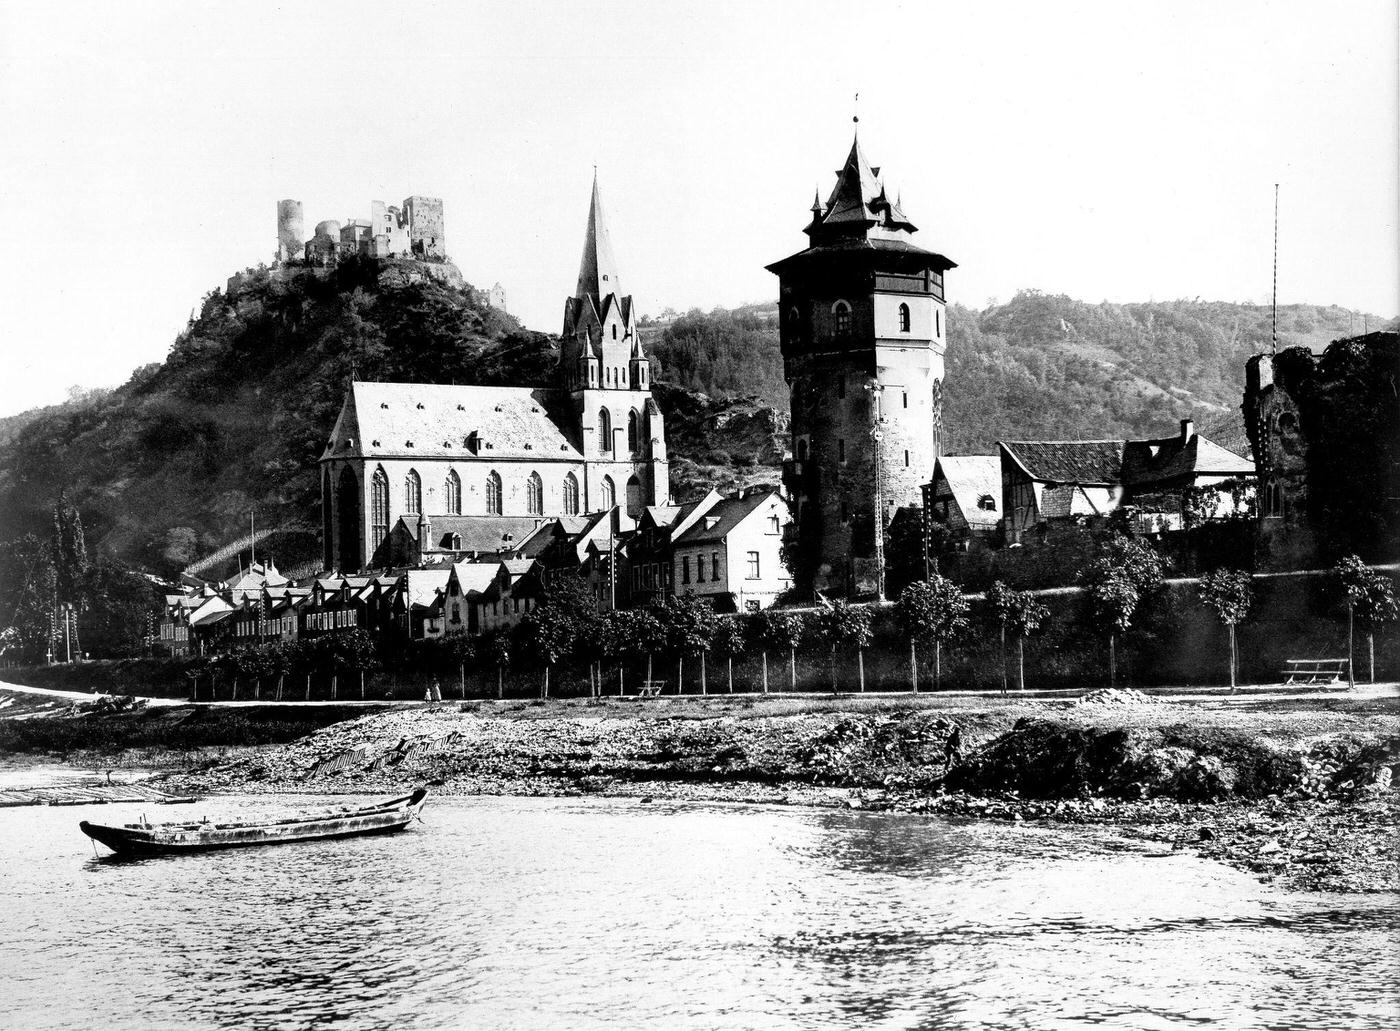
x=863 y=331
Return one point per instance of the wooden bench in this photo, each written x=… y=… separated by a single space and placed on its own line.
x=1315 y=671
x=651 y=688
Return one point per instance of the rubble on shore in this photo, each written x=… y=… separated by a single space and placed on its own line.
x=1317 y=811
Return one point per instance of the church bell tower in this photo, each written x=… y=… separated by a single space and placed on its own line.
x=863 y=331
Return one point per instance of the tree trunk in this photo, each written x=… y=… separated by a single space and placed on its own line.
x=461 y=681
x=792 y=667
x=1231 y=628
x=619 y=680
x=730 y=662
x=648 y=683
x=704 y=688
x=937 y=664
x=308 y=687
x=1351 y=646
x=860 y=664
x=1003 y=658
x=544 y=687
x=765 y=672
x=680 y=672
x=1021 y=661
x=362 y=686
x=500 y=681
x=1371 y=647
x=913 y=667
x=233 y=694
x=280 y=678
x=1112 y=663
x=335 y=685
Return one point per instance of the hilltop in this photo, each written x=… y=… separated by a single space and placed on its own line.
x=166 y=467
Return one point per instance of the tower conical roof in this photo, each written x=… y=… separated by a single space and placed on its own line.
x=858 y=200
x=597 y=272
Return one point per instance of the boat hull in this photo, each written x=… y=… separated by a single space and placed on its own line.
x=176 y=839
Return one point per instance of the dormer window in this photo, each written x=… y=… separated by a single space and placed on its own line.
x=383 y=404
x=987 y=503
x=419 y=406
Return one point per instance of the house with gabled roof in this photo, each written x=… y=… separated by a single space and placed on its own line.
x=732 y=552
x=403 y=455
x=1051 y=480
x=964 y=496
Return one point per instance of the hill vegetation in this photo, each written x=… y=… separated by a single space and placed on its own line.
x=168 y=466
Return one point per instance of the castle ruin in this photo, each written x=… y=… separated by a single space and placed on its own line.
x=411 y=230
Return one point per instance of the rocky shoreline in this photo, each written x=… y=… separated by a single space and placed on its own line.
x=1298 y=797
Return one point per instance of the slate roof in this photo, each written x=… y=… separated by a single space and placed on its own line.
x=475 y=577
x=720 y=519
x=433 y=420
x=484 y=533
x=597 y=271
x=969 y=477
x=1168 y=460
x=421 y=586
x=1067 y=461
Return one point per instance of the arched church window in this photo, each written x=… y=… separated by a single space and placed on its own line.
x=632 y=431
x=412 y=492
x=904 y=318
x=378 y=508
x=607 y=494
x=841 y=317
x=634 y=497
x=452 y=492
x=493 y=493
x=605 y=441
x=571 y=494
x=534 y=495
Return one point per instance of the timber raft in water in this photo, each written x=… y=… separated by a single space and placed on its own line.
x=166 y=838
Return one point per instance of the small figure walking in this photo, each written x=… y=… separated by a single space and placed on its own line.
x=952 y=748
x=436 y=693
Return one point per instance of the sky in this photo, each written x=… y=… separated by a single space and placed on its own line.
x=1108 y=151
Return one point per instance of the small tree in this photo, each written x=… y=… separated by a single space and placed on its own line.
x=494 y=647
x=1229 y=593
x=730 y=641
x=1022 y=614
x=782 y=630
x=688 y=625
x=648 y=633
x=1112 y=602
x=1370 y=597
x=845 y=626
x=931 y=610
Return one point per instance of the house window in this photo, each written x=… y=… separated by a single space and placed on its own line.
x=605 y=441
x=906 y=399
x=685 y=570
x=904 y=318
x=379 y=507
x=608 y=492
x=987 y=503
x=753 y=565
x=412 y=492
x=699 y=569
x=571 y=494
x=452 y=493
x=841 y=312
x=534 y=495
x=774 y=526
x=493 y=493
x=714 y=566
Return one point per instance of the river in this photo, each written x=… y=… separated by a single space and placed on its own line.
x=583 y=913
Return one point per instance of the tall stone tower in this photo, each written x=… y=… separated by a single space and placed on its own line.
x=863 y=331
x=608 y=378
x=290 y=240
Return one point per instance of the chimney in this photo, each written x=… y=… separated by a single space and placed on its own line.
x=1188 y=430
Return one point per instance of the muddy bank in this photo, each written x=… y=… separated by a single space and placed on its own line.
x=1301 y=794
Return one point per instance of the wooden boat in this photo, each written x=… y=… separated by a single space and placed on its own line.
x=148 y=839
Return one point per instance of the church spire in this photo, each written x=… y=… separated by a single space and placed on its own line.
x=597 y=272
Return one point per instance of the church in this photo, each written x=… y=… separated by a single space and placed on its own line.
x=421 y=453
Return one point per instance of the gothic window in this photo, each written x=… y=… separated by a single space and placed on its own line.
x=379 y=508
x=571 y=494
x=841 y=317
x=534 y=495
x=493 y=493
x=904 y=318
x=1273 y=498
x=605 y=441
x=452 y=493
x=608 y=493
x=634 y=497
x=632 y=434
x=412 y=492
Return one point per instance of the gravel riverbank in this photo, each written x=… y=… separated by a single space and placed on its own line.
x=1291 y=791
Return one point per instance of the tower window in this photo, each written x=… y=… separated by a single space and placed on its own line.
x=937 y=323
x=904 y=318
x=906 y=459
x=614 y=329
x=841 y=312
x=605 y=441
x=633 y=435
x=906 y=399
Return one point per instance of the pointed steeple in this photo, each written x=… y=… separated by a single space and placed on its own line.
x=597 y=272
x=858 y=202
